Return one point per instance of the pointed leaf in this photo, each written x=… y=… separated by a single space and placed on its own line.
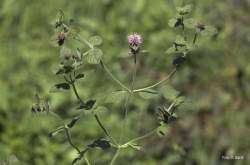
x=88 y=105
x=101 y=143
x=73 y=122
x=60 y=87
x=79 y=76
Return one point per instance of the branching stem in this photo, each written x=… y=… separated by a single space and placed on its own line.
x=115 y=156
x=158 y=83
x=96 y=116
x=139 y=138
x=113 y=77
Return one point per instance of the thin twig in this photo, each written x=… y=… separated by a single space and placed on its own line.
x=126 y=103
x=115 y=156
x=158 y=83
x=103 y=128
x=70 y=140
x=113 y=77
x=139 y=138
x=86 y=159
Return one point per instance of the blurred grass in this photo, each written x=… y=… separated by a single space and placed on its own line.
x=215 y=79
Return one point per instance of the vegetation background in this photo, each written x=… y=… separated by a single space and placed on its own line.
x=215 y=80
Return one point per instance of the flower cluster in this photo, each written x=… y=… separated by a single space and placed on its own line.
x=134 y=39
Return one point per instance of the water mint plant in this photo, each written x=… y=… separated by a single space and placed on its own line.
x=71 y=69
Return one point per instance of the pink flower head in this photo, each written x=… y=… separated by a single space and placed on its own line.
x=134 y=39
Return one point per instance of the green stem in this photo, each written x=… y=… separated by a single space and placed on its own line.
x=96 y=116
x=86 y=159
x=158 y=83
x=72 y=82
x=195 y=38
x=139 y=138
x=76 y=93
x=70 y=140
x=126 y=103
x=113 y=77
x=115 y=156
x=103 y=128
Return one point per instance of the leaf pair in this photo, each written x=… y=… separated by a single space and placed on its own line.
x=94 y=55
x=87 y=106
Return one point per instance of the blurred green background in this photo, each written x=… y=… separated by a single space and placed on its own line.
x=215 y=80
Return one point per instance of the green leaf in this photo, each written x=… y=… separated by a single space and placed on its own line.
x=101 y=143
x=94 y=56
x=190 y=23
x=169 y=92
x=209 y=31
x=175 y=22
x=149 y=94
x=60 y=71
x=180 y=40
x=73 y=122
x=172 y=22
x=79 y=76
x=55 y=132
x=184 y=10
x=60 y=87
x=171 y=50
x=88 y=105
x=95 y=40
x=78 y=53
x=179 y=100
x=116 y=97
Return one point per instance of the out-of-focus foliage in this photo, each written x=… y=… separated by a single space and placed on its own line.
x=215 y=80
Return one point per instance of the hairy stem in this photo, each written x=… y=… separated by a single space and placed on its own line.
x=75 y=91
x=126 y=103
x=103 y=128
x=158 y=83
x=70 y=140
x=115 y=156
x=113 y=77
x=139 y=138
x=86 y=159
